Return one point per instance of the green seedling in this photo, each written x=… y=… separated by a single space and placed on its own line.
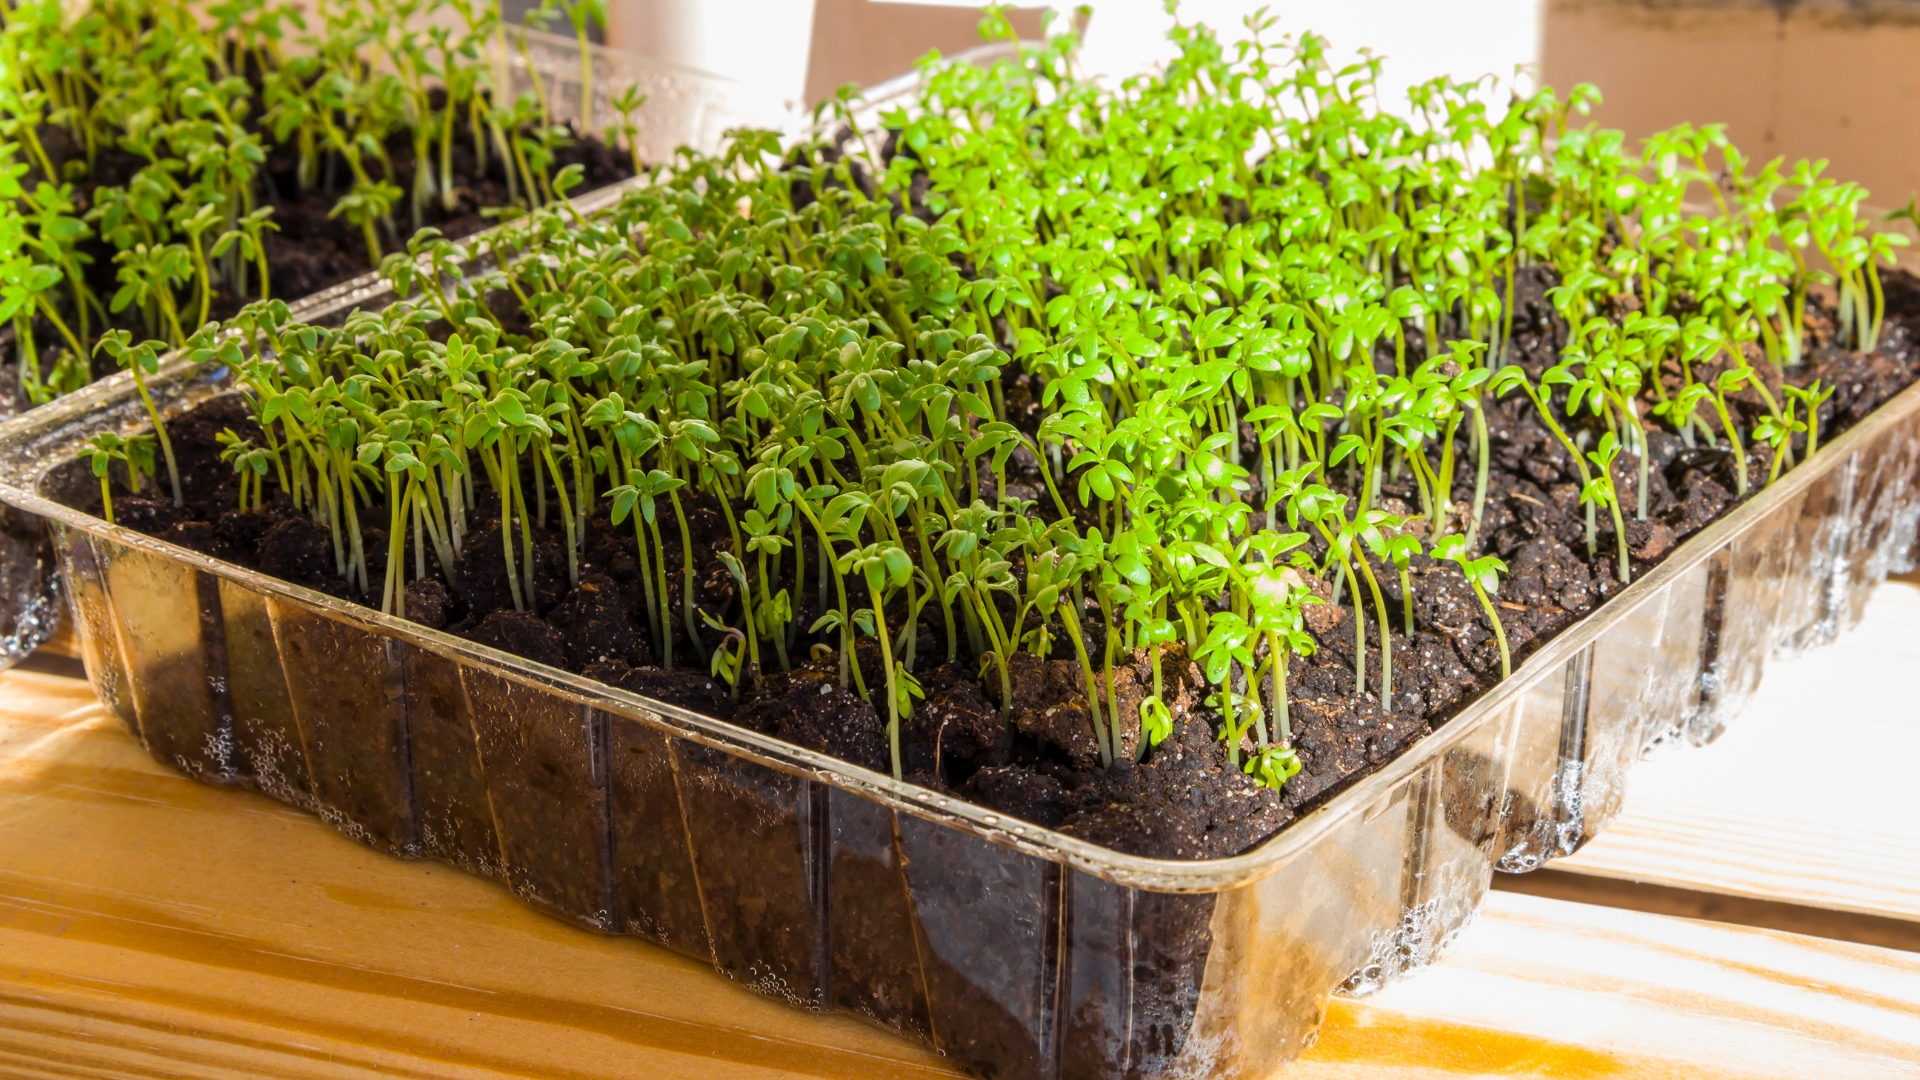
x=134 y=454
x=143 y=360
x=1484 y=575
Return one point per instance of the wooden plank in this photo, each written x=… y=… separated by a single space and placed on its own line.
x=1882 y=930
x=35 y=705
x=1538 y=987
x=1808 y=798
x=64 y=642
x=151 y=926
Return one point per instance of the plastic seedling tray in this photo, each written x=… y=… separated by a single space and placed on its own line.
x=1014 y=950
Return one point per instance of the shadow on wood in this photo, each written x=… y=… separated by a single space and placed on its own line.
x=1715 y=907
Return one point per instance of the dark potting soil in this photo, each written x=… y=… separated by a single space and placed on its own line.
x=1182 y=799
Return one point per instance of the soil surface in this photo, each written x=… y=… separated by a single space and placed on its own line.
x=1035 y=759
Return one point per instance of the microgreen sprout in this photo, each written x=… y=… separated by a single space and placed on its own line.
x=135 y=455
x=143 y=360
x=1484 y=575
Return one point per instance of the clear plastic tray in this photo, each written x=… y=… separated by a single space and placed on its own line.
x=1016 y=951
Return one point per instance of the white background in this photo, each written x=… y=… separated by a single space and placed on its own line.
x=765 y=41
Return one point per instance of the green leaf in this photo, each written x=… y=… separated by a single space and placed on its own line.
x=1210 y=555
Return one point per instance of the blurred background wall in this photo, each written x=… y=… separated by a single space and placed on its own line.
x=804 y=49
x=1838 y=79
x=1835 y=79
x=865 y=42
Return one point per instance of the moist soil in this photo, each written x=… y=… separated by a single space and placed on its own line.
x=311 y=251
x=1181 y=799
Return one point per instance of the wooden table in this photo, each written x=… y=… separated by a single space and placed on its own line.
x=1812 y=798
x=150 y=926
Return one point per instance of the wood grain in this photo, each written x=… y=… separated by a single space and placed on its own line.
x=63 y=642
x=1808 y=798
x=1539 y=987
x=151 y=926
